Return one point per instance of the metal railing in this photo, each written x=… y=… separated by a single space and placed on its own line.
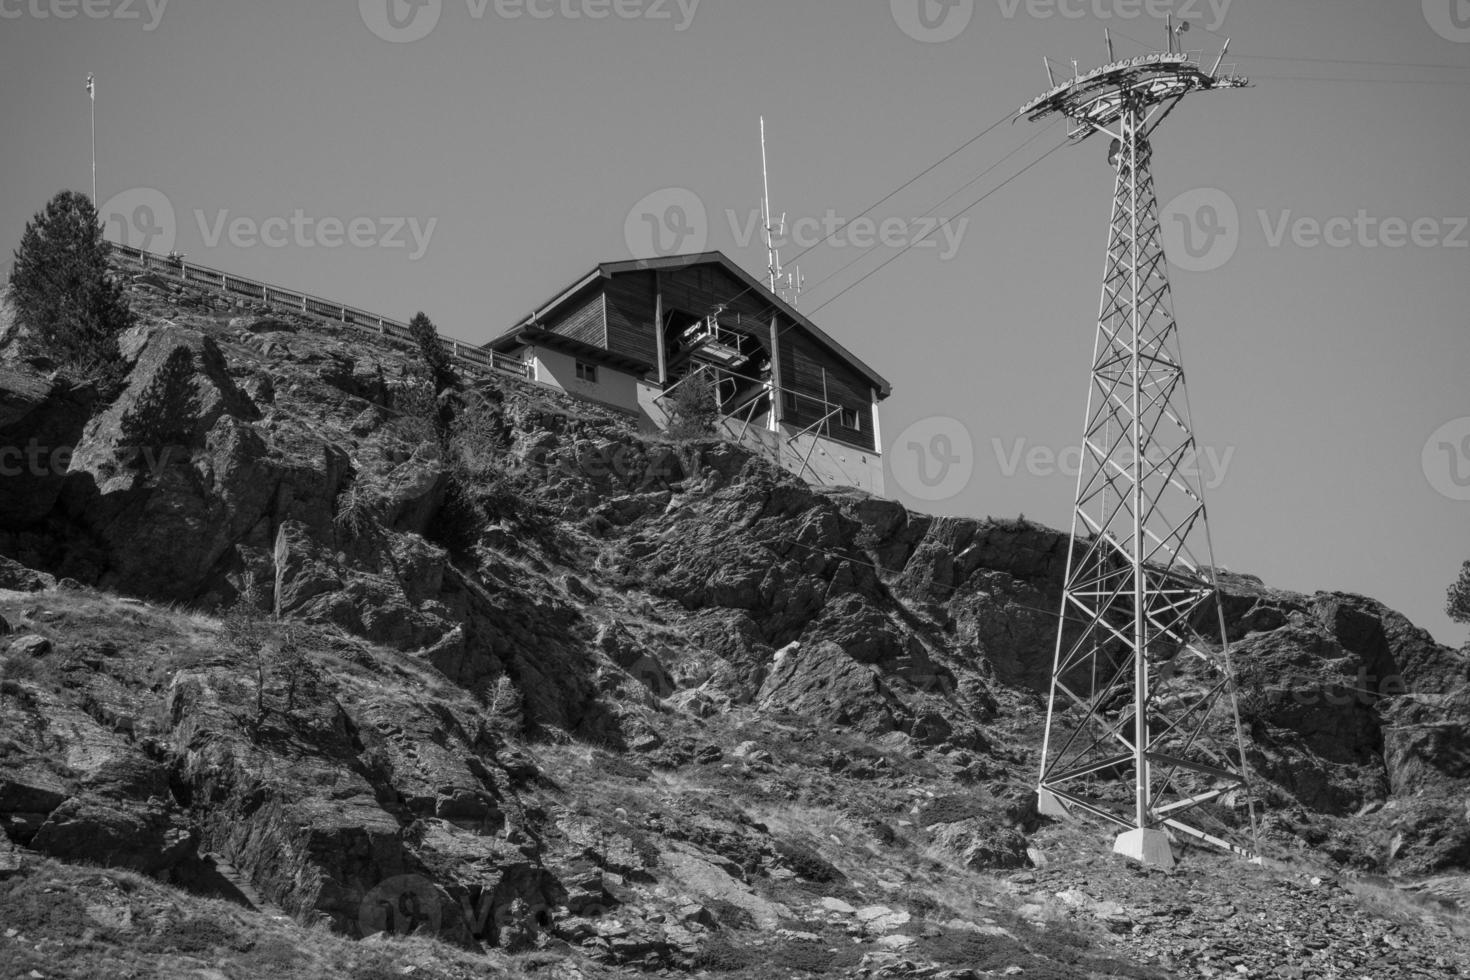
x=174 y=267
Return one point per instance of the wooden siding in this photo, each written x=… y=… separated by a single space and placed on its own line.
x=803 y=362
x=630 y=313
x=699 y=289
x=584 y=321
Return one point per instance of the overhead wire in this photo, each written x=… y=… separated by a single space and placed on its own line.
x=970 y=207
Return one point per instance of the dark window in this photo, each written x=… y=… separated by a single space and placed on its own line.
x=587 y=372
x=788 y=402
x=850 y=418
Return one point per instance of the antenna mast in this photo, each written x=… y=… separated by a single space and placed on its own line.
x=1134 y=683
x=786 y=285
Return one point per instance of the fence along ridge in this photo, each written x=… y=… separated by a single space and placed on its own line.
x=190 y=273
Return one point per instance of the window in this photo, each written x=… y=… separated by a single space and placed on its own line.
x=788 y=402
x=850 y=418
x=587 y=372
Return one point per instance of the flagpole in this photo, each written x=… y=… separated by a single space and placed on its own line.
x=92 y=96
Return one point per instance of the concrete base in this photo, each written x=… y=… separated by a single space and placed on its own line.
x=1048 y=804
x=1148 y=847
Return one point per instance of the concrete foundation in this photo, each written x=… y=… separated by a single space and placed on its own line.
x=1148 y=847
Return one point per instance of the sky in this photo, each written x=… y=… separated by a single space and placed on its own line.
x=470 y=158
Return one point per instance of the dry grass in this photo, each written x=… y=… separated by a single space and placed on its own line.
x=70 y=922
x=1385 y=898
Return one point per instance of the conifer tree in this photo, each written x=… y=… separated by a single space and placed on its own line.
x=435 y=357
x=63 y=290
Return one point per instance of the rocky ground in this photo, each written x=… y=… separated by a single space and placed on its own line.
x=557 y=697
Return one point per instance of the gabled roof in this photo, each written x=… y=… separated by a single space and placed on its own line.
x=607 y=270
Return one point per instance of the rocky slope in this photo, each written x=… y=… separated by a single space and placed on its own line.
x=558 y=686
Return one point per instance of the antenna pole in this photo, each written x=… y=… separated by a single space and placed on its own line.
x=1107 y=33
x=772 y=258
x=92 y=97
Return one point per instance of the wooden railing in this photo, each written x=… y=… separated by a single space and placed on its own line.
x=177 y=269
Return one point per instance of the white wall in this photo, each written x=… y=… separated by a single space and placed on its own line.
x=616 y=388
x=820 y=461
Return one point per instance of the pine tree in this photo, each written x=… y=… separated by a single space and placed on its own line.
x=167 y=411
x=1457 y=600
x=435 y=357
x=63 y=291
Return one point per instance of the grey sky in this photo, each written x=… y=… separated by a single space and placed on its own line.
x=505 y=151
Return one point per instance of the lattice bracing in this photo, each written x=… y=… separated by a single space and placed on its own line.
x=1142 y=704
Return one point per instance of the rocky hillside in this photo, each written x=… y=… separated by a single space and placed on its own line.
x=575 y=700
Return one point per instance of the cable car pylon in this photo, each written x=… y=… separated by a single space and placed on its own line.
x=1142 y=725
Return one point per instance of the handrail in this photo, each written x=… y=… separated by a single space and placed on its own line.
x=191 y=273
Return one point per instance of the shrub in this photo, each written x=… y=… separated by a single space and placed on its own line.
x=806 y=862
x=166 y=412
x=477 y=438
x=694 y=409
x=505 y=706
x=63 y=290
x=357 y=506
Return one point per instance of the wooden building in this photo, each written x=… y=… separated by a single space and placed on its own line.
x=627 y=333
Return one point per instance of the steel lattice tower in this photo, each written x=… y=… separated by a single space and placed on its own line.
x=1135 y=686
